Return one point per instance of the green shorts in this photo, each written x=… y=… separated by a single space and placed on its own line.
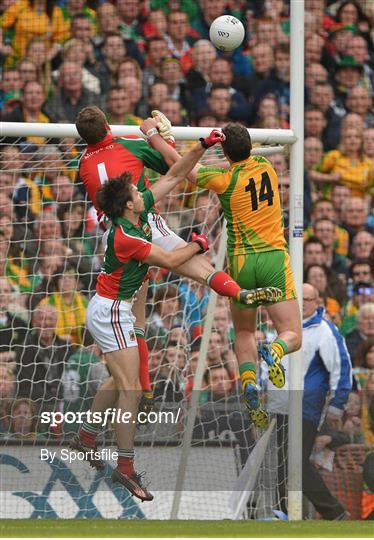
x=265 y=269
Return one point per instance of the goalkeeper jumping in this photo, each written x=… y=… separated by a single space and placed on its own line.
x=257 y=254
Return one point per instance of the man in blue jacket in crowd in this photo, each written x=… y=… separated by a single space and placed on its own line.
x=327 y=383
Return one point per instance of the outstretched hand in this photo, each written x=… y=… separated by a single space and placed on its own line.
x=148 y=123
x=215 y=136
x=202 y=240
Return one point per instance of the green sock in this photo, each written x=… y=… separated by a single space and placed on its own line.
x=247 y=372
x=279 y=347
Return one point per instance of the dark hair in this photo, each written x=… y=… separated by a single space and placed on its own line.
x=283 y=48
x=80 y=16
x=363 y=349
x=360 y=14
x=49 y=8
x=358 y=262
x=91 y=124
x=217 y=86
x=114 y=194
x=238 y=144
x=313 y=240
x=64 y=207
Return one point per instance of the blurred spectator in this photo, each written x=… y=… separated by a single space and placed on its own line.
x=70 y=97
x=323 y=209
x=262 y=62
x=172 y=76
x=7 y=392
x=133 y=89
x=349 y=165
x=157 y=51
x=367 y=412
x=337 y=46
x=313 y=50
x=278 y=83
x=221 y=74
x=351 y=419
x=219 y=103
x=119 y=107
x=364 y=358
x=326 y=283
x=128 y=67
x=365 y=322
x=362 y=245
x=77 y=7
x=113 y=51
x=79 y=244
x=203 y=53
x=70 y=306
x=313 y=252
x=369 y=143
x=129 y=13
x=83 y=374
x=359 y=102
x=172 y=108
x=347 y=75
x=12 y=328
x=361 y=270
x=29 y=18
x=10 y=86
x=37 y=51
x=209 y=10
x=220 y=383
x=315 y=73
x=40 y=363
x=177 y=33
x=82 y=29
x=24 y=420
x=75 y=51
x=107 y=21
x=325 y=231
x=167 y=312
x=339 y=196
x=359 y=50
x=29 y=110
x=321 y=95
x=354 y=214
x=28 y=71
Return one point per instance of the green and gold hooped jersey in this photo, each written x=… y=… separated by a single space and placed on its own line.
x=249 y=196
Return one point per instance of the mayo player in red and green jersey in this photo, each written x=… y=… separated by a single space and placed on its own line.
x=106 y=157
x=128 y=254
x=257 y=255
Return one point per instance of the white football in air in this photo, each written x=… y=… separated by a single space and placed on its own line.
x=226 y=33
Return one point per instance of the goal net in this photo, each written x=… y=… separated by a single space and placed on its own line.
x=50 y=255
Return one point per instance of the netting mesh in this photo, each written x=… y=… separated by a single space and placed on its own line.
x=51 y=253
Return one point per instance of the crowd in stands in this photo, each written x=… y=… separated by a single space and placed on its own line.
x=132 y=56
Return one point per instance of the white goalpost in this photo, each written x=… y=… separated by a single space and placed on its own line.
x=271 y=141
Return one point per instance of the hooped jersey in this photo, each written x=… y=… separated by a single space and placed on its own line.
x=249 y=196
x=123 y=270
x=115 y=155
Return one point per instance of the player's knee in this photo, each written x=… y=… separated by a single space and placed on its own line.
x=127 y=382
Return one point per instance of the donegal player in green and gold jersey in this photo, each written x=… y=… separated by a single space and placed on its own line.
x=257 y=254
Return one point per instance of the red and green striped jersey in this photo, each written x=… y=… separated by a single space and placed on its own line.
x=115 y=155
x=128 y=245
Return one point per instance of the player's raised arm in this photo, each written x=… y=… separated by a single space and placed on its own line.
x=174 y=258
x=184 y=165
x=158 y=132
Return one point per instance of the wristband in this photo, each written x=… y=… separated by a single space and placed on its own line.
x=151 y=132
x=203 y=143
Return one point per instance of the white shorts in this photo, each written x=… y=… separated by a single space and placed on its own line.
x=111 y=323
x=161 y=234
